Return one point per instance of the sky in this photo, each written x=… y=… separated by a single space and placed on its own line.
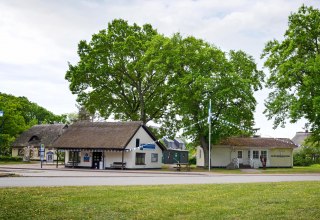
x=39 y=37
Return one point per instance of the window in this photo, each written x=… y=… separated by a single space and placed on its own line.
x=137 y=142
x=199 y=153
x=74 y=156
x=154 y=158
x=21 y=152
x=240 y=154
x=264 y=153
x=140 y=158
x=39 y=152
x=255 y=154
x=249 y=154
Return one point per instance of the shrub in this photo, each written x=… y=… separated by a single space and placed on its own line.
x=10 y=158
x=192 y=160
x=306 y=156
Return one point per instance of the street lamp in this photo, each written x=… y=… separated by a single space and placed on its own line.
x=1 y=126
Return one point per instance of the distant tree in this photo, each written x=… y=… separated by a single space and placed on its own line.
x=124 y=71
x=294 y=65
x=19 y=115
x=205 y=72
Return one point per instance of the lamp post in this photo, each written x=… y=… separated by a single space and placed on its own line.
x=1 y=126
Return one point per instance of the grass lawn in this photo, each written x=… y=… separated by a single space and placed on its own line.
x=289 y=200
x=309 y=169
x=298 y=170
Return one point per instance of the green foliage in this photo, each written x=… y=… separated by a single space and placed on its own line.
x=205 y=72
x=19 y=115
x=135 y=73
x=294 y=66
x=192 y=159
x=123 y=71
x=307 y=156
x=10 y=158
x=286 y=200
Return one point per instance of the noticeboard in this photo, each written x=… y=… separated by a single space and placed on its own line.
x=42 y=150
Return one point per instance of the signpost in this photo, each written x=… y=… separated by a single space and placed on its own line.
x=42 y=149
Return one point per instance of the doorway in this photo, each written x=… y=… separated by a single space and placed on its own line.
x=240 y=157
x=96 y=158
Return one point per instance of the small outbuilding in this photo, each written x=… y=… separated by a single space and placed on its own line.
x=107 y=145
x=250 y=152
x=176 y=152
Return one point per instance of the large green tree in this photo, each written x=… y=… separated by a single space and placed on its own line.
x=229 y=80
x=19 y=115
x=294 y=65
x=125 y=72
x=134 y=73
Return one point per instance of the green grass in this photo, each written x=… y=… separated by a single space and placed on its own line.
x=309 y=169
x=295 y=170
x=294 y=200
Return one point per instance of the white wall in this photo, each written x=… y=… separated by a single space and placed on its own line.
x=130 y=156
x=220 y=156
x=200 y=157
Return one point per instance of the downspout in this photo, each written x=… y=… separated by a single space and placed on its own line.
x=57 y=157
x=122 y=159
x=103 y=159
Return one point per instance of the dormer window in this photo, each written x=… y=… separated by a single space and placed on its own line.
x=34 y=138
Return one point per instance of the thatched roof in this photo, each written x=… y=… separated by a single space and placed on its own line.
x=258 y=142
x=99 y=135
x=40 y=134
x=300 y=137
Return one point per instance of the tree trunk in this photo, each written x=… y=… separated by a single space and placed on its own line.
x=205 y=146
x=142 y=105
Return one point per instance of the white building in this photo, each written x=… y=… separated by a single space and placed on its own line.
x=106 y=145
x=249 y=152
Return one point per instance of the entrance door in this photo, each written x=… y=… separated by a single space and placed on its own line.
x=96 y=158
x=240 y=156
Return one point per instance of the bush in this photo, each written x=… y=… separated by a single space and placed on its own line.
x=300 y=159
x=193 y=160
x=306 y=156
x=10 y=158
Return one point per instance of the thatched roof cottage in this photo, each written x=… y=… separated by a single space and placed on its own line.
x=129 y=145
x=44 y=134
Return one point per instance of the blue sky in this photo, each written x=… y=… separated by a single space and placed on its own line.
x=39 y=37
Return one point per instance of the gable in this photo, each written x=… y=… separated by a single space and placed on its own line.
x=143 y=138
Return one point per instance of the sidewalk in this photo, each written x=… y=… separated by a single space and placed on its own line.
x=34 y=169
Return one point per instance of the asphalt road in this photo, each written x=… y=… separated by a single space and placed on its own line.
x=62 y=177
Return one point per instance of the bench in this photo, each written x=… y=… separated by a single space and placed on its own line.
x=179 y=166
x=118 y=165
x=71 y=164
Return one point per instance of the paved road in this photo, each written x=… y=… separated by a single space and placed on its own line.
x=63 y=177
x=148 y=180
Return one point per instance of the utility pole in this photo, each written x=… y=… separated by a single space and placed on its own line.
x=1 y=129
x=209 y=121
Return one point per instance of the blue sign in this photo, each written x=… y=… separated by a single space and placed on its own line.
x=42 y=150
x=86 y=158
x=149 y=146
